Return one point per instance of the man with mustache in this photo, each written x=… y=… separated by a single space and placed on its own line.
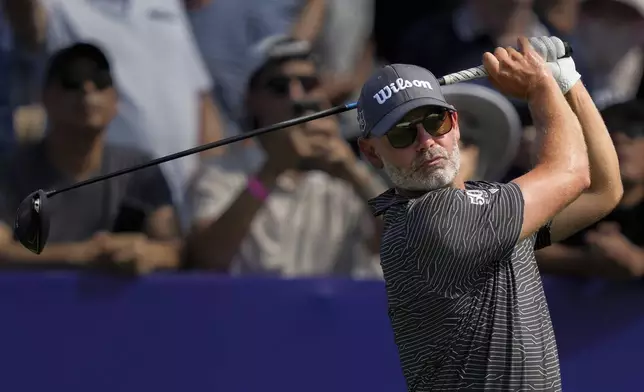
x=465 y=297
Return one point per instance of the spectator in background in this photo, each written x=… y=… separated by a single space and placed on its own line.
x=490 y=130
x=226 y=29
x=614 y=246
x=7 y=135
x=451 y=41
x=454 y=40
x=300 y=207
x=610 y=36
x=126 y=221
x=394 y=18
x=559 y=15
x=347 y=55
x=165 y=102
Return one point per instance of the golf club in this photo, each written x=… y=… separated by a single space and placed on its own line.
x=31 y=225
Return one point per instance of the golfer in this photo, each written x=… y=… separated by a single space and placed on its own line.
x=466 y=301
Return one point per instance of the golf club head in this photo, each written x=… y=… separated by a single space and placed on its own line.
x=31 y=226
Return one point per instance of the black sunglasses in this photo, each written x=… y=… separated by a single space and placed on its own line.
x=74 y=81
x=281 y=84
x=436 y=122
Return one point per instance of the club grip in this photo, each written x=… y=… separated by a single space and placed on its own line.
x=568 y=49
x=480 y=71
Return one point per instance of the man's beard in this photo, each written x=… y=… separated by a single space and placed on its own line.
x=426 y=178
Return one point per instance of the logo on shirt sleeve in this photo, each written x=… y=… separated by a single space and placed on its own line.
x=481 y=197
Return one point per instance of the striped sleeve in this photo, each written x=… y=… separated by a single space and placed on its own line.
x=459 y=231
x=495 y=212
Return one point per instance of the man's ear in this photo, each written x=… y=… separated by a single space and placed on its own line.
x=367 y=149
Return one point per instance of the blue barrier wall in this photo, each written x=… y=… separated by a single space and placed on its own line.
x=79 y=332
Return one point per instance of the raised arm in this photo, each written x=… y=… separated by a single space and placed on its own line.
x=605 y=189
x=28 y=21
x=220 y=225
x=561 y=173
x=310 y=21
x=78 y=254
x=602 y=196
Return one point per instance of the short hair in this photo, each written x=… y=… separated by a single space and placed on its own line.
x=61 y=59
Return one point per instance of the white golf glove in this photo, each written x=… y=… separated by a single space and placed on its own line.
x=563 y=69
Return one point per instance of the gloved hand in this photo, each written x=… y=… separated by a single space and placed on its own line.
x=563 y=69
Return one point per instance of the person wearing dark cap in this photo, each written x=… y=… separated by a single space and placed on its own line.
x=466 y=302
x=126 y=222
x=167 y=103
x=294 y=203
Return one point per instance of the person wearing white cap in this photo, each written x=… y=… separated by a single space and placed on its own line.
x=294 y=203
x=225 y=29
x=490 y=130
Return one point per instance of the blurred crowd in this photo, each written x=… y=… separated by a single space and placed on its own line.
x=93 y=86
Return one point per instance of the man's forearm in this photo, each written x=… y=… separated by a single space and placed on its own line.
x=364 y=183
x=562 y=145
x=214 y=244
x=565 y=260
x=604 y=166
x=367 y=187
x=72 y=253
x=168 y=253
x=310 y=21
x=561 y=172
x=605 y=188
x=211 y=128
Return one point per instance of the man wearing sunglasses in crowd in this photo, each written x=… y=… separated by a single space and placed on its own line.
x=466 y=301
x=126 y=224
x=292 y=202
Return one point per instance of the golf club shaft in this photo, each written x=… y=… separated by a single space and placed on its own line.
x=457 y=77
x=208 y=146
x=480 y=71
